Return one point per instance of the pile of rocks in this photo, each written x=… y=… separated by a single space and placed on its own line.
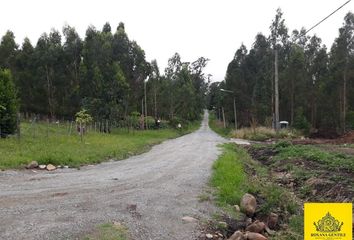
x=254 y=229
x=49 y=167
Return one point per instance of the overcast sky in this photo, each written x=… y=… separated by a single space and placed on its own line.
x=210 y=28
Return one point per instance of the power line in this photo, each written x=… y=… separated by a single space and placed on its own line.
x=326 y=17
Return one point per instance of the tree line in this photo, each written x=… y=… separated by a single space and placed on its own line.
x=316 y=85
x=105 y=73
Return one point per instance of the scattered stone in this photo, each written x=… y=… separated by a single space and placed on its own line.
x=237 y=208
x=42 y=166
x=248 y=204
x=248 y=221
x=254 y=236
x=237 y=236
x=51 y=167
x=256 y=227
x=66 y=166
x=272 y=220
x=59 y=166
x=31 y=165
x=269 y=231
x=209 y=236
x=188 y=219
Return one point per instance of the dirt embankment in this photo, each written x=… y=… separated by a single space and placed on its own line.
x=327 y=138
x=309 y=180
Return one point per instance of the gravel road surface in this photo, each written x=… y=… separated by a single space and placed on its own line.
x=149 y=193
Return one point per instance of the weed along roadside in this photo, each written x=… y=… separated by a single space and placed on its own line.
x=45 y=145
x=108 y=231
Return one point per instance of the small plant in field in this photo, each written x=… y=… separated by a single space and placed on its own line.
x=82 y=118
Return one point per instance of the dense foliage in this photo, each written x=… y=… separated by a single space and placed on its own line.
x=8 y=104
x=105 y=73
x=316 y=86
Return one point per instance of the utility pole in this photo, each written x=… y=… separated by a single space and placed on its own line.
x=235 y=115
x=276 y=89
x=223 y=116
x=146 y=122
x=142 y=113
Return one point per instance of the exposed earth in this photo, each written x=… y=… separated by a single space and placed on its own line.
x=149 y=193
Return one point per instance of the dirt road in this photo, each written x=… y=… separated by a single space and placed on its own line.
x=163 y=184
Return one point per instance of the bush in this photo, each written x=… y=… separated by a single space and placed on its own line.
x=300 y=121
x=263 y=133
x=255 y=134
x=8 y=104
x=176 y=120
x=282 y=144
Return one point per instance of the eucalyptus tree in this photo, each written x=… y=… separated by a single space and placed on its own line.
x=8 y=51
x=341 y=54
x=278 y=37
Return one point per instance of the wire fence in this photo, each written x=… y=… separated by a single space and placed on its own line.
x=38 y=126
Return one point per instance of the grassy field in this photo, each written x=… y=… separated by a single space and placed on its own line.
x=329 y=159
x=53 y=144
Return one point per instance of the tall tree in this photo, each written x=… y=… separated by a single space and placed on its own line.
x=341 y=52
x=279 y=35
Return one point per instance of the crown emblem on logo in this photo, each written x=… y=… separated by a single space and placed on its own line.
x=328 y=224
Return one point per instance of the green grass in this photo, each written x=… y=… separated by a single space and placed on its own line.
x=52 y=144
x=228 y=176
x=217 y=126
x=331 y=160
x=108 y=231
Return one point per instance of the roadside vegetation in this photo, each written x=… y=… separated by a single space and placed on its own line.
x=108 y=231
x=217 y=126
x=54 y=144
x=258 y=133
x=236 y=173
x=281 y=176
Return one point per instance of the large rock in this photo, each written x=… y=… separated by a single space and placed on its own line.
x=256 y=227
x=31 y=165
x=254 y=236
x=209 y=236
x=51 y=167
x=248 y=204
x=272 y=220
x=42 y=166
x=237 y=236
